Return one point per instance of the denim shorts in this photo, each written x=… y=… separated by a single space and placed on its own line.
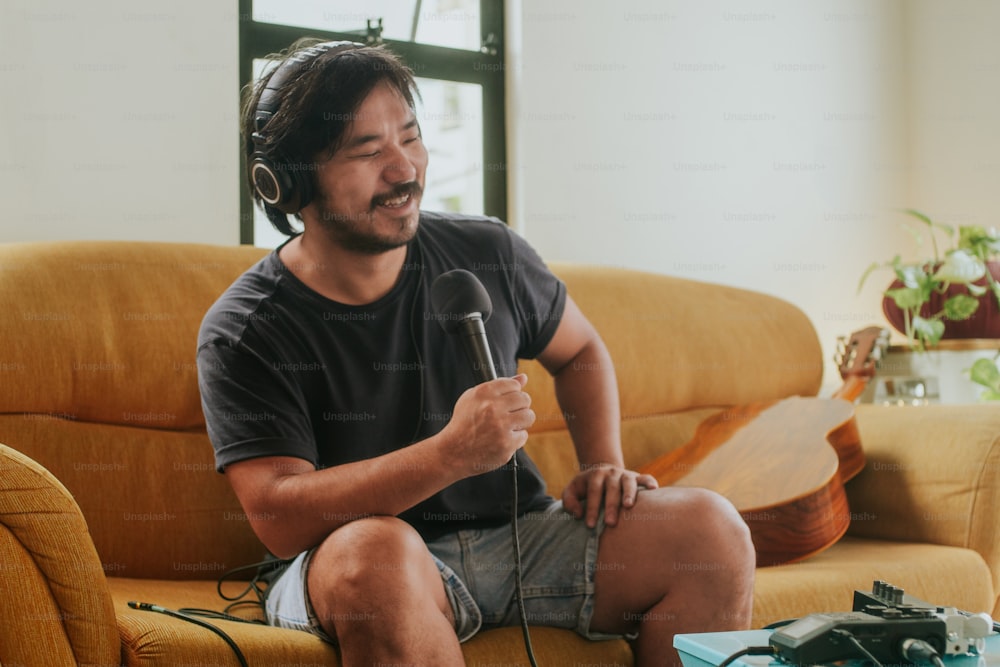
x=558 y=562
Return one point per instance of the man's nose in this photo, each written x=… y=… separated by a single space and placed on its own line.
x=399 y=166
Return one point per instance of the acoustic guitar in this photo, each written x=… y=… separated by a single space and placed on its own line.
x=783 y=463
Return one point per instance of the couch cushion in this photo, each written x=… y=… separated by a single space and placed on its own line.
x=940 y=575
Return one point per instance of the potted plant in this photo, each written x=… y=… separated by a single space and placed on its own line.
x=954 y=293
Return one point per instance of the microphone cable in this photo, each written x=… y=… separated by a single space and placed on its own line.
x=196 y=616
x=917 y=651
x=749 y=650
x=146 y=606
x=864 y=652
x=519 y=592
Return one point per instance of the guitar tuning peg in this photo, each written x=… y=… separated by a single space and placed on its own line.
x=839 y=350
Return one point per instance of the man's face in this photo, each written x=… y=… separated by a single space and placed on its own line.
x=369 y=191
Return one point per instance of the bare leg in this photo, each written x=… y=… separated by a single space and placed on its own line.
x=681 y=560
x=375 y=587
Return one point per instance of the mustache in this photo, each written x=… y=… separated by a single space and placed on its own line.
x=411 y=188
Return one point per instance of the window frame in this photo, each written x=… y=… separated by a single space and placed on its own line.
x=485 y=67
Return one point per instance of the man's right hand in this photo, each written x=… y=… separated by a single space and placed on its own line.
x=489 y=424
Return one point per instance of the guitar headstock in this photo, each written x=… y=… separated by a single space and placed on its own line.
x=859 y=355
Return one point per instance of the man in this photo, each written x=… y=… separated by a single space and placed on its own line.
x=359 y=442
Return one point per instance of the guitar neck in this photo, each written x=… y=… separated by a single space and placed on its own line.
x=854 y=386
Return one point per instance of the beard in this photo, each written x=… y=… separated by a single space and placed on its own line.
x=355 y=232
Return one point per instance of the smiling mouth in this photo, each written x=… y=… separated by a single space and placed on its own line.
x=398 y=197
x=395 y=202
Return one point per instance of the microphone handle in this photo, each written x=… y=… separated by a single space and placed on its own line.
x=473 y=335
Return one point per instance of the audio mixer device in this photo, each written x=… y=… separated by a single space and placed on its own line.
x=886 y=626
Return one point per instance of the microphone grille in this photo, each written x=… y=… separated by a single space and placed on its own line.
x=457 y=294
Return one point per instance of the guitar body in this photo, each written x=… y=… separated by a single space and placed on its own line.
x=784 y=463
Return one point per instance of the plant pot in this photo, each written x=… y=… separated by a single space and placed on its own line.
x=984 y=323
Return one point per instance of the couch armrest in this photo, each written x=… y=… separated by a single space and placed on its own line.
x=57 y=607
x=932 y=475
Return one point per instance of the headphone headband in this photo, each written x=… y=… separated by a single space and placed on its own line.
x=268 y=103
x=288 y=190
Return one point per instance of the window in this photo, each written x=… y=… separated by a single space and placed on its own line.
x=455 y=49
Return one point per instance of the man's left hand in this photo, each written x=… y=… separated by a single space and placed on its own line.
x=604 y=484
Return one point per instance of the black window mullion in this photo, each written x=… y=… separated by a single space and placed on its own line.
x=492 y=27
x=246 y=75
x=494 y=149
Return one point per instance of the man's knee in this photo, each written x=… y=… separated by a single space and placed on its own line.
x=373 y=563
x=718 y=515
x=368 y=551
x=718 y=525
x=704 y=529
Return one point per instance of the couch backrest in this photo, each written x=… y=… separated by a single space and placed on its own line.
x=98 y=382
x=678 y=344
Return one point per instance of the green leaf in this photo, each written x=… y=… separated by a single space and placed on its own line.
x=960 y=267
x=986 y=373
x=989 y=395
x=976 y=290
x=864 y=276
x=970 y=236
x=947 y=229
x=907 y=297
x=919 y=216
x=979 y=241
x=931 y=225
x=910 y=275
x=960 y=307
x=929 y=331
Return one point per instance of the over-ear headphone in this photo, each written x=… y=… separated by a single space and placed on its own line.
x=277 y=182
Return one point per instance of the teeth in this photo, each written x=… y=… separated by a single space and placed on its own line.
x=395 y=203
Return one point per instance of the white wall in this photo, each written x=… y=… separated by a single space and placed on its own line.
x=767 y=144
x=117 y=120
x=954 y=105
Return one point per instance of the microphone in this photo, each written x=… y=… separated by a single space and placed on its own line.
x=462 y=305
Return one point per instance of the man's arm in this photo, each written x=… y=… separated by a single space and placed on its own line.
x=293 y=507
x=587 y=391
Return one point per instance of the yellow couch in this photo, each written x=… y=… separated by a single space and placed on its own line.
x=108 y=491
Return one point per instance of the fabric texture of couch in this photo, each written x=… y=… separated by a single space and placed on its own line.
x=108 y=491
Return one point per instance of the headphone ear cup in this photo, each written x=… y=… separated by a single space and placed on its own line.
x=288 y=190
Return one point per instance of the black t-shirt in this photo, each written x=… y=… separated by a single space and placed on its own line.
x=285 y=371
